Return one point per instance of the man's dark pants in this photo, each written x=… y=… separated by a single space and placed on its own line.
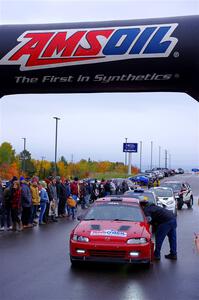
x=163 y=230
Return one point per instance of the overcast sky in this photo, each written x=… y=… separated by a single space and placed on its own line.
x=95 y=125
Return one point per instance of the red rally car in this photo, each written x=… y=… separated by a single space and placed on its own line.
x=113 y=230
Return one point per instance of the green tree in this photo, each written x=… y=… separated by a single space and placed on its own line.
x=62 y=159
x=7 y=153
x=27 y=164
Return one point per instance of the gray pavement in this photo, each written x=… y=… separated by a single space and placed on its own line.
x=35 y=265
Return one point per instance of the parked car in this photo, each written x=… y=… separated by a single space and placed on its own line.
x=112 y=230
x=140 y=179
x=118 y=183
x=182 y=192
x=165 y=198
x=179 y=171
x=142 y=195
x=151 y=175
x=164 y=170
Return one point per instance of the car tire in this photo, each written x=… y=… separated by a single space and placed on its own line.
x=180 y=205
x=190 y=204
x=147 y=265
x=75 y=263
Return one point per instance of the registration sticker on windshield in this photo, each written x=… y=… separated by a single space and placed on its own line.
x=108 y=232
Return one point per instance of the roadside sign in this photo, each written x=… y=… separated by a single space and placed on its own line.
x=195 y=170
x=130 y=147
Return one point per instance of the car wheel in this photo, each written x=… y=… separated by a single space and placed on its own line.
x=189 y=205
x=147 y=265
x=180 y=205
x=75 y=263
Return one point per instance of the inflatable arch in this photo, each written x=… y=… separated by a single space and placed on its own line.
x=154 y=55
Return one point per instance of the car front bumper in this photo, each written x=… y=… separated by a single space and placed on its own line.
x=140 y=253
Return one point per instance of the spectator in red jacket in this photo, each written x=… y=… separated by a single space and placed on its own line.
x=74 y=186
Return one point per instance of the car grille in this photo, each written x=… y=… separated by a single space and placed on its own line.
x=106 y=253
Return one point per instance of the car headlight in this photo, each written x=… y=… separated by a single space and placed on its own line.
x=80 y=238
x=137 y=241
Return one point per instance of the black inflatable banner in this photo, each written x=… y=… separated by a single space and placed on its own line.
x=119 y=56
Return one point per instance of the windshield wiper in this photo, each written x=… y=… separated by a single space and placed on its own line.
x=122 y=220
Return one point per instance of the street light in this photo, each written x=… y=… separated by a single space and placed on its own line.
x=24 y=149
x=56 y=129
x=159 y=155
x=140 y=156
x=151 y=155
x=126 y=153
x=166 y=157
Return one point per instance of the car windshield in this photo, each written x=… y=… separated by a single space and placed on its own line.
x=163 y=192
x=175 y=186
x=116 y=211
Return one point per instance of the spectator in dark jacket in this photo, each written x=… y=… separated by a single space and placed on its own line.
x=26 y=203
x=15 y=207
x=94 y=191
x=7 y=201
x=62 y=199
x=165 y=222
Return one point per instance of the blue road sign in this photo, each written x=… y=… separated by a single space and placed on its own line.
x=195 y=170
x=130 y=147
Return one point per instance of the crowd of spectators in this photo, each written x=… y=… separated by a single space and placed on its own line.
x=28 y=202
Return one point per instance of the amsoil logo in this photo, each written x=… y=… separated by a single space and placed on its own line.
x=42 y=49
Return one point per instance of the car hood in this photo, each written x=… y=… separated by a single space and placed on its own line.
x=115 y=230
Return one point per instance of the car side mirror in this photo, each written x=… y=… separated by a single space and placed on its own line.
x=80 y=217
x=149 y=219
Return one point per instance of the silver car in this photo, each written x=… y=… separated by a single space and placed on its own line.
x=165 y=198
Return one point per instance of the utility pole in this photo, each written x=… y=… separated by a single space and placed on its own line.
x=140 y=156
x=129 y=167
x=56 y=133
x=166 y=158
x=24 y=149
x=159 y=156
x=126 y=139
x=151 y=155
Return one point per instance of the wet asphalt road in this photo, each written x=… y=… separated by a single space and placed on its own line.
x=34 y=265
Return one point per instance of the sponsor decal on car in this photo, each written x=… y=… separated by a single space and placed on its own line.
x=108 y=232
x=42 y=49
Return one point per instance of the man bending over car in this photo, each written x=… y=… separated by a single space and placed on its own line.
x=165 y=224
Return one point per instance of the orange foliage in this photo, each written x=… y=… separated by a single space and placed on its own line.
x=8 y=171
